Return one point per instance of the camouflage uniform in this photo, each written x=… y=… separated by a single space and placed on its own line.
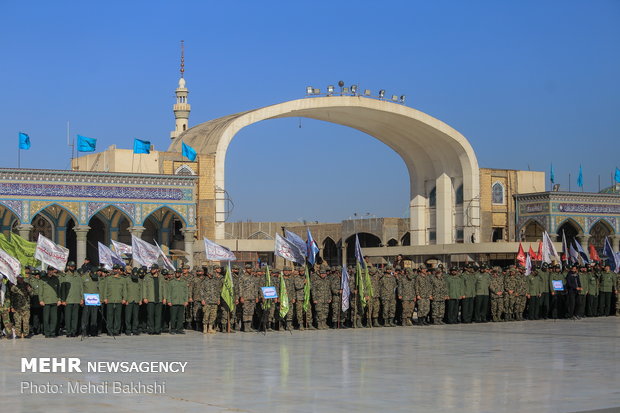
x=440 y=294
x=195 y=294
x=511 y=288
x=374 y=302
x=5 y=308
x=248 y=297
x=424 y=291
x=20 y=300
x=406 y=292
x=336 y=305
x=321 y=297
x=210 y=295
x=522 y=289
x=296 y=297
x=387 y=289
x=189 y=278
x=497 y=300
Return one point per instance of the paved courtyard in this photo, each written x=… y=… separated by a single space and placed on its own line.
x=544 y=366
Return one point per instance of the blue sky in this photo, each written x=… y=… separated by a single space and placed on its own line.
x=528 y=83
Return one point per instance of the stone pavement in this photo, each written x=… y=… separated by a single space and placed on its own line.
x=544 y=366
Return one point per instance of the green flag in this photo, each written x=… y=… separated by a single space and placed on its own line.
x=368 y=283
x=227 y=290
x=359 y=282
x=283 y=298
x=306 y=305
x=21 y=249
x=267 y=303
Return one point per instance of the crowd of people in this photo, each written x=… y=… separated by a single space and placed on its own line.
x=154 y=300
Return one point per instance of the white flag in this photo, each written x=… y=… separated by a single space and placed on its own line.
x=167 y=263
x=344 y=286
x=297 y=240
x=144 y=253
x=51 y=253
x=528 y=264
x=288 y=250
x=549 y=250
x=9 y=266
x=108 y=258
x=217 y=252
x=121 y=248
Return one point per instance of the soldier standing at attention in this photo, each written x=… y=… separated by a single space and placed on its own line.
x=133 y=300
x=573 y=286
x=290 y=290
x=455 y=293
x=469 y=291
x=321 y=296
x=297 y=295
x=153 y=295
x=335 y=290
x=72 y=298
x=440 y=295
x=608 y=279
x=481 y=303
x=511 y=285
x=195 y=297
x=424 y=292
x=114 y=297
x=5 y=307
x=36 y=310
x=248 y=297
x=50 y=300
x=20 y=300
x=188 y=276
x=496 y=293
x=584 y=279
x=210 y=299
x=593 y=291
x=534 y=284
x=373 y=303
x=177 y=298
x=545 y=283
x=90 y=285
x=407 y=294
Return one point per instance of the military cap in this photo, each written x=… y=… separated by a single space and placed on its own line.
x=235 y=267
x=179 y=269
x=134 y=271
x=398 y=268
x=286 y=268
x=71 y=264
x=372 y=270
x=116 y=267
x=338 y=268
x=389 y=267
x=186 y=267
x=164 y=272
x=454 y=268
x=248 y=266
x=154 y=267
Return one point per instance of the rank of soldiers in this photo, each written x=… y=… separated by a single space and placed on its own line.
x=154 y=300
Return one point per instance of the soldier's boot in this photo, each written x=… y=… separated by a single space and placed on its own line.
x=375 y=323
x=390 y=322
x=408 y=322
x=358 y=322
x=205 y=328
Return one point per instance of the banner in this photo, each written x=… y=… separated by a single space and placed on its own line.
x=311 y=248
x=284 y=307
x=21 y=249
x=288 y=250
x=51 y=253
x=528 y=265
x=296 y=239
x=166 y=261
x=521 y=255
x=108 y=258
x=344 y=286
x=548 y=249
x=217 y=252
x=189 y=152
x=121 y=248
x=9 y=266
x=85 y=144
x=144 y=253
x=227 y=293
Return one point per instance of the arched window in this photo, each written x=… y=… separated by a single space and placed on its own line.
x=432 y=197
x=184 y=170
x=498 y=193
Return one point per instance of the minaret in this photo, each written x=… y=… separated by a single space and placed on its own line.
x=181 y=108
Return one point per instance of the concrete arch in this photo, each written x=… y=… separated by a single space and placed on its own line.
x=431 y=150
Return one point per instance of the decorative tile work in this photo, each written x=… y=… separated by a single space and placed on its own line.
x=129 y=209
x=541 y=219
x=93 y=207
x=588 y=209
x=590 y=221
x=92 y=191
x=559 y=220
x=16 y=206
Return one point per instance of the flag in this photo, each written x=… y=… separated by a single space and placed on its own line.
x=9 y=266
x=552 y=175
x=521 y=255
x=189 y=152
x=564 y=248
x=311 y=248
x=144 y=253
x=227 y=293
x=361 y=273
x=296 y=239
x=107 y=257
x=24 y=141
x=580 y=178
x=612 y=259
x=288 y=250
x=86 y=144
x=573 y=255
x=528 y=265
x=581 y=252
x=548 y=249
x=21 y=249
x=166 y=261
x=344 y=286
x=593 y=254
x=617 y=175
x=532 y=254
x=217 y=252
x=539 y=253
x=121 y=248
x=51 y=253
x=359 y=257
x=283 y=295
x=140 y=146
x=267 y=303
x=306 y=305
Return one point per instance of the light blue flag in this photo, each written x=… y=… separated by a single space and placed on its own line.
x=580 y=178
x=617 y=176
x=189 y=152
x=86 y=144
x=296 y=239
x=344 y=286
x=359 y=256
x=581 y=252
x=140 y=146
x=613 y=259
x=552 y=175
x=24 y=141
x=311 y=248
